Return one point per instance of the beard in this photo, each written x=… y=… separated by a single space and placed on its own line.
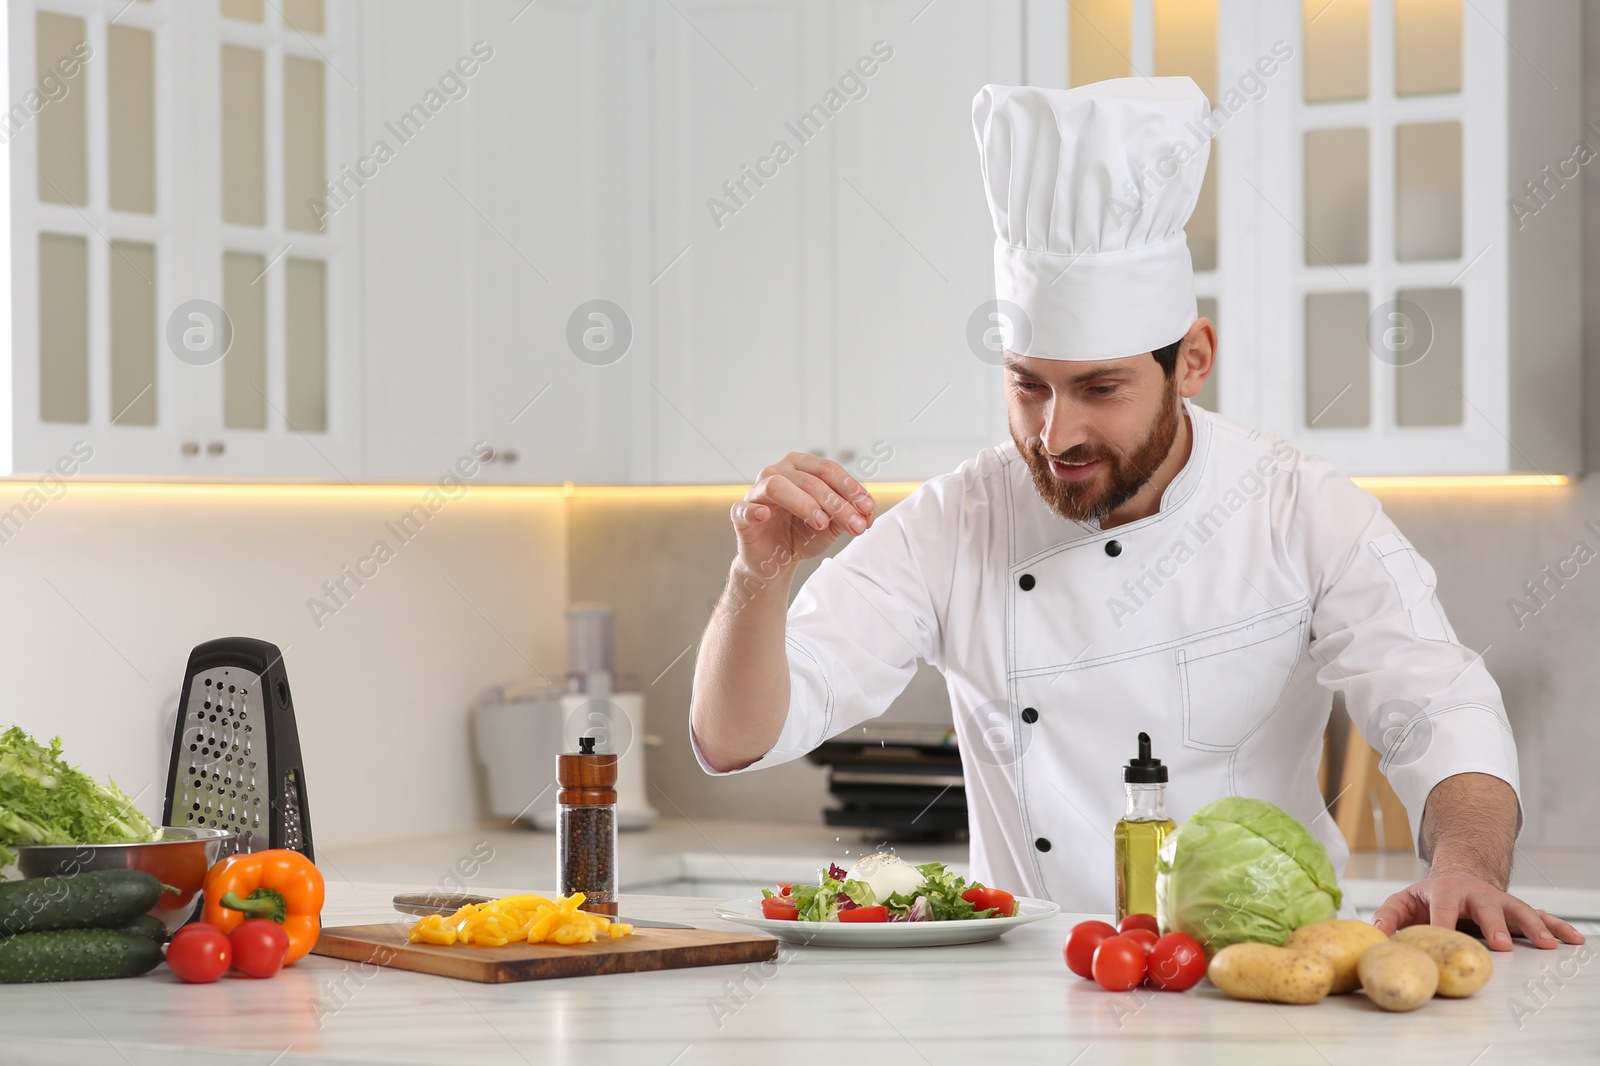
x=1125 y=473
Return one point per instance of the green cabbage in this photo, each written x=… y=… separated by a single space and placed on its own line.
x=1243 y=870
x=45 y=801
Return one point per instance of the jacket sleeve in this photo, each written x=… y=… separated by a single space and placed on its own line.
x=857 y=628
x=1425 y=702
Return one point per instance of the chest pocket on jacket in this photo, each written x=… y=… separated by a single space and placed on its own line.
x=1232 y=681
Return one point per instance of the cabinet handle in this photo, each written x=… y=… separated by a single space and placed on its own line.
x=847 y=455
x=214 y=448
x=190 y=447
x=509 y=455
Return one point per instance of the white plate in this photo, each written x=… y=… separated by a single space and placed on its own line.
x=885 y=934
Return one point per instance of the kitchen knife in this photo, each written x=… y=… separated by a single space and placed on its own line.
x=450 y=902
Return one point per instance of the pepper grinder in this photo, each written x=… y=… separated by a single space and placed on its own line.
x=586 y=827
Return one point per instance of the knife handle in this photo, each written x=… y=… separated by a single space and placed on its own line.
x=435 y=902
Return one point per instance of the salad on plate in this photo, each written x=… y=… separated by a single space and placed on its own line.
x=885 y=888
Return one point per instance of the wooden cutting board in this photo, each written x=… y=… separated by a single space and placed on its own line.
x=646 y=949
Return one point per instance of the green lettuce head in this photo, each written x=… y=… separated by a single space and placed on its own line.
x=1243 y=870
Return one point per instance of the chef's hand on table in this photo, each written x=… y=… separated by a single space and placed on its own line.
x=1445 y=897
x=795 y=510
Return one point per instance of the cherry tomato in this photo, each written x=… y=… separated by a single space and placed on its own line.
x=781 y=908
x=879 y=913
x=784 y=887
x=199 y=953
x=1176 y=963
x=1082 y=941
x=1139 y=921
x=1145 y=937
x=1118 y=963
x=259 y=947
x=1003 y=903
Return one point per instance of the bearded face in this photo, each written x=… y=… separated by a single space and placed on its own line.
x=1127 y=442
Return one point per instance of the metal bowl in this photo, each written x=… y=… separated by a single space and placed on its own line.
x=180 y=859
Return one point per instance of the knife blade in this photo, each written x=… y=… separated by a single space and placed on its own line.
x=450 y=902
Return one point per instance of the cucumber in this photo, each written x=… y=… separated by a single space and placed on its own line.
x=76 y=955
x=98 y=899
x=148 y=925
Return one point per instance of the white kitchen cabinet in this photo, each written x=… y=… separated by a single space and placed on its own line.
x=489 y=231
x=175 y=164
x=829 y=263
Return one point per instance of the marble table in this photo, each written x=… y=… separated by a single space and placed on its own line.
x=1010 y=1001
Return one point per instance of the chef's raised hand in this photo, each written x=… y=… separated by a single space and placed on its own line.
x=1444 y=899
x=795 y=510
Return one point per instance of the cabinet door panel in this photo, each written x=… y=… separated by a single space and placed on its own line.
x=550 y=233
x=913 y=256
x=742 y=308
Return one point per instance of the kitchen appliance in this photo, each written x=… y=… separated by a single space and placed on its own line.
x=517 y=732
x=896 y=782
x=235 y=750
x=645 y=949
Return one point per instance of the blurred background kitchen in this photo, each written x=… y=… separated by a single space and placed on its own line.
x=527 y=292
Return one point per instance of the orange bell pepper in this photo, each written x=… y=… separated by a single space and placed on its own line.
x=279 y=884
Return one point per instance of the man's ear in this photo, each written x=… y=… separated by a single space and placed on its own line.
x=1197 y=355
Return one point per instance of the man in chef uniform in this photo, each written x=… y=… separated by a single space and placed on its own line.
x=1128 y=563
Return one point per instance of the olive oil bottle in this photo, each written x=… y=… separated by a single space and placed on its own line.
x=1140 y=833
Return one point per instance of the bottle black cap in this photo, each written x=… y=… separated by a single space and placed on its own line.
x=586 y=747
x=1144 y=770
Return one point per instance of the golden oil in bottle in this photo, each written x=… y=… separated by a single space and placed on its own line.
x=1140 y=833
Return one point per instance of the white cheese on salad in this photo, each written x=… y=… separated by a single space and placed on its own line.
x=886 y=874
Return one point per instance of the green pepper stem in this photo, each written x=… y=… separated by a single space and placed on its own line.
x=261 y=904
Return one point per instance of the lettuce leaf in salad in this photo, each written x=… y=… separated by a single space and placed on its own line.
x=938 y=899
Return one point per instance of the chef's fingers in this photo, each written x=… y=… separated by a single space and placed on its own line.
x=780 y=491
x=836 y=476
x=1486 y=911
x=1396 y=913
x=746 y=514
x=1564 y=931
x=1444 y=907
x=1530 y=923
x=845 y=515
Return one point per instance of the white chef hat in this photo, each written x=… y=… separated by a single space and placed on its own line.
x=1090 y=189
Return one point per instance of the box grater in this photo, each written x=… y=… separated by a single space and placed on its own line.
x=236 y=752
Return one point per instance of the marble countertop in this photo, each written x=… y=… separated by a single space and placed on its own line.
x=1010 y=1000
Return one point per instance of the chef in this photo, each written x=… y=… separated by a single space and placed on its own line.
x=1128 y=562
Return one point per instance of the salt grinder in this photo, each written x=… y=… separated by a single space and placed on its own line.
x=586 y=827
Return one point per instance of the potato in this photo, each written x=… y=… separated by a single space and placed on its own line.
x=1271 y=974
x=1464 y=964
x=1341 y=941
x=1398 y=976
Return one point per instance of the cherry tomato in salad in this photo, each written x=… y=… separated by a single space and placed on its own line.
x=259 y=947
x=879 y=913
x=1003 y=903
x=1139 y=921
x=1146 y=939
x=1119 y=963
x=1081 y=942
x=1176 y=963
x=199 y=953
x=785 y=888
x=780 y=908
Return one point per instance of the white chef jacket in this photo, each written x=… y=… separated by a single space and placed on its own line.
x=1221 y=626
